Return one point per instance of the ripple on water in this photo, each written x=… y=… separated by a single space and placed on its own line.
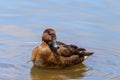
x=105 y=64
x=13 y=71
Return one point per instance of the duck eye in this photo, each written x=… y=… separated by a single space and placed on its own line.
x=49 y=33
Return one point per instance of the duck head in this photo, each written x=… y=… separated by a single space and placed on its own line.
x=49 y=36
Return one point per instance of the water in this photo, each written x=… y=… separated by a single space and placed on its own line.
x=93 y=25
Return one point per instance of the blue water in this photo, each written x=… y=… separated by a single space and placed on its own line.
x=93 y=25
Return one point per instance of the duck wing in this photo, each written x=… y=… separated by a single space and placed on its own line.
x=68 y=50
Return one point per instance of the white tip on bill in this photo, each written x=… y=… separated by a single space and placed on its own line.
x=85 y=57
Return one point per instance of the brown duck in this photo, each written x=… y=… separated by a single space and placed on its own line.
x=52 y=53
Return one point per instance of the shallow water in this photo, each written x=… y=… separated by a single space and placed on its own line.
x=88 y=24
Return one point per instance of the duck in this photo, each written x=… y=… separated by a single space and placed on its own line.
x=51 y=53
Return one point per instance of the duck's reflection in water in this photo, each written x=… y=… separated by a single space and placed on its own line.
x=73 y=72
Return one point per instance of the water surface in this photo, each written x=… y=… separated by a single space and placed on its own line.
x=93 y=25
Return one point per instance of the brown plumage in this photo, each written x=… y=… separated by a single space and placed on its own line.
x=52 y=53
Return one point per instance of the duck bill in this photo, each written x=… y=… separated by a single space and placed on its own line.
x=55 y=45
